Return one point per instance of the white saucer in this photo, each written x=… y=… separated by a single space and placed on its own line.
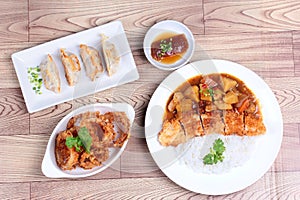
x=168 y=26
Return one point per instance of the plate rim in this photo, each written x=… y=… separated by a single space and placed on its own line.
x=166 y=170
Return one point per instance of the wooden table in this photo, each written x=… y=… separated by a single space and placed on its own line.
x=261 y=35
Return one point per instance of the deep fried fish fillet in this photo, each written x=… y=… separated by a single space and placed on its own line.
x=212 y=122
x=188 y=115
x=172 y=133
x=254 y=124
x=234 y=122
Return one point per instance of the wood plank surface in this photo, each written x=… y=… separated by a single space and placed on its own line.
x=296 y=48
x=268 y=54
x=14 y=118
x=284 y=187
x=14 y=21
x=262 y=35
x=250 y=16
x=21 y=159
x=288 y=96
x=136 y=161
x=286 y=159
x=53 y=19
x=15 y=191
x=9 y=78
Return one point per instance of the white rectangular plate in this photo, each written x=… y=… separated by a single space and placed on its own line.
x=32 y=57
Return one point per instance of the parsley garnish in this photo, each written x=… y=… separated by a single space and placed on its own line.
x=85 y=138
x=82 y=140
x=74 y=142
x=216 y=153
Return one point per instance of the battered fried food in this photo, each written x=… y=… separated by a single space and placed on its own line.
x=88 y=161
x=172 y=133
x=66 y=158
x=71 y=65
x=106 y=131
x=215 y=103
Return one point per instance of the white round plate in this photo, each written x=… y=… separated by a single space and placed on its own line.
x=169 y=26
x=49 y=165
x=237 y=178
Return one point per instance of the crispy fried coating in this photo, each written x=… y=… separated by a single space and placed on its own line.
x=67 y=158
x=216 y=103
x=234 y=122
x=172 y=133
x=254 y=124
x=107 y=130
x=88 y=161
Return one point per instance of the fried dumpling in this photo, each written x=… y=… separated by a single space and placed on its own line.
x=91 y=60
x=111 y=56
x=71 y=65
x=50 y=74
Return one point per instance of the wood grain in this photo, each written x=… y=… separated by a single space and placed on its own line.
x=263 y=35
x=14 y=21
x=14 y=118
x=15 y=191
x=44 y=122
x=268 y=54
x=21 y=158
x=296 y=48
x=136 y=161
x=271 y=186
x=53 y=19
x=286 y=159
x=229 y=16
x=9 y=78
x=287 y=93
x=109 y=189
x=284 y=187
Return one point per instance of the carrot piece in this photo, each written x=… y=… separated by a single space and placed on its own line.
x=244 y=106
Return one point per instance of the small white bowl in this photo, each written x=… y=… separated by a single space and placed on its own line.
x=163 y=27
x=49 y=165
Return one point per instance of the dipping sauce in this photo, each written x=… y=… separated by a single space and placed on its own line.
x=169 y=47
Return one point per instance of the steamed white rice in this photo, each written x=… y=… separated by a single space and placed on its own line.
x=238 y=151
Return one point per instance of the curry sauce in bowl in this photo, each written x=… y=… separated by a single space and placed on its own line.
x=169 y=45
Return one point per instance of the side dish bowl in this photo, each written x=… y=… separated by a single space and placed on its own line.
x=49 y=165
x=173 y=27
